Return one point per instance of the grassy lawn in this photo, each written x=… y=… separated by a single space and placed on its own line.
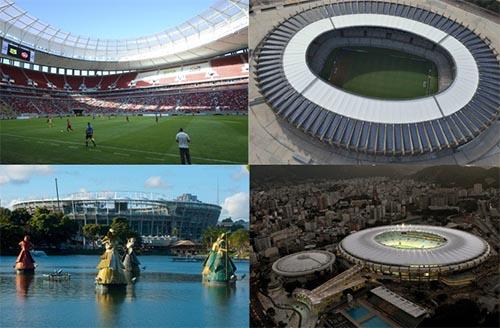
x=381 y=73
x=214 y=139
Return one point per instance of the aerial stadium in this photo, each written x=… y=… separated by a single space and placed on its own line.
x=193 y=75
x=414 y=252
x=373 y=81
x=148 y=214
x=306 y=265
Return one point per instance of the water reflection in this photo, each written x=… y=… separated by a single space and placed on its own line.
x=220 y=295
x=109 y=305
x=166 y=290
x=23 y=282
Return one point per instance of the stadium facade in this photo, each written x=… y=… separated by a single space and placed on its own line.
x=290 y=56
x=147 y=213
x=414 y=252
x=198 y=66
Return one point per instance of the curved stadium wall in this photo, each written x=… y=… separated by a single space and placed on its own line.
x=148 y=214
x=355 y=125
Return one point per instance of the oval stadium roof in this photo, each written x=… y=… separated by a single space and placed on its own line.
x=359 y=125
x=303 y=263
x=460 y=247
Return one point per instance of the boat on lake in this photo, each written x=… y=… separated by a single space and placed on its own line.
x=58 y=275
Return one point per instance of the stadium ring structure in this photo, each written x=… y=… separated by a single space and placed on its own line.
x=148 y=214
x=414 y=252
x=304 y=265
x=435 y=124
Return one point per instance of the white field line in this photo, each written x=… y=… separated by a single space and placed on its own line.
x=121 y=149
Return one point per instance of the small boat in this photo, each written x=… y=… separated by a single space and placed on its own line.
x=58 y=275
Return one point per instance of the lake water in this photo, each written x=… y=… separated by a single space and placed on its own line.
x=168 y=294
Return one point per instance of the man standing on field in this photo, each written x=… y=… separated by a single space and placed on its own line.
x=182 y=138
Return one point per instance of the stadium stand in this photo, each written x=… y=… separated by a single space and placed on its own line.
x=228 y=67
x=375 y=138
x=216 y=99
x=217 y=86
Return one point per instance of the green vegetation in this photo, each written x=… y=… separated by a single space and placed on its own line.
x=459 y=176
x=239 y=241
x=94 y=232
x=380 y=73
x=214 y=139
x=46 y=228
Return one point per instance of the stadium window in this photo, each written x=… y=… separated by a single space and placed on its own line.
x=69 y=71
x=98 y=73
x=84 y=73
x=105 y=73
x=61 y=71
x=36 y=67
x=26 y=65
x=16 y=63
x=45 y=69
x=6 y=61
x=53 y=70
x=77 y=72
x=91 y=73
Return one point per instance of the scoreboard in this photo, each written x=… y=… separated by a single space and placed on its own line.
x=14 y=50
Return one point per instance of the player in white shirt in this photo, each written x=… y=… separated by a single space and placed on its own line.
x=182 y=138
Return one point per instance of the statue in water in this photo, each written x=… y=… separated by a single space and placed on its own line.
x=131 y=262
x=24 y=261
x=218 y=268
x=110 y=267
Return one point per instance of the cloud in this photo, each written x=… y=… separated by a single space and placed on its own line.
x=22 y=173
x=236 y=206
x=242 y=172
x=155 y=182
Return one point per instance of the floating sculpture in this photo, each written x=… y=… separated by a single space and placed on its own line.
x=218 y=268
x=24 y=262
x=131 y=262
x=111 y=272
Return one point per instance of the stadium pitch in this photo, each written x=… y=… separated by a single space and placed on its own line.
x=380 y=73
x=214 y=139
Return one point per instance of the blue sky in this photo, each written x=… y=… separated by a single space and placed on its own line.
x=114 y=19
x=28 y=181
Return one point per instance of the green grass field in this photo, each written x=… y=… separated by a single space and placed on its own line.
x=380 y=73
x=214 y=139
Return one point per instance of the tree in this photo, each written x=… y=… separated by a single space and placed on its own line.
x=51 y=228
x=122 y=229
x=5 y=215
x=236 y=227
x=211 y=234
x=20 y=216
x=93 y=231
x=239 y=240
x=11 y=235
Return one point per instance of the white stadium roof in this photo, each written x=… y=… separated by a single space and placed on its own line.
x=223 y=18
x=303 y=263
x=460 y=247
x=329 y=97
x=364 y=127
